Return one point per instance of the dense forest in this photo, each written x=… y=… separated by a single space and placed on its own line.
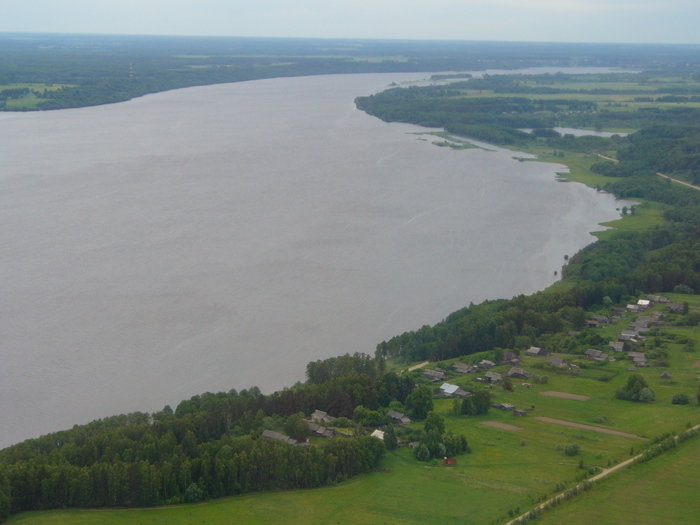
x=209 y=446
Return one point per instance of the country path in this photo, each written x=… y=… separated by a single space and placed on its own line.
x=601 y=475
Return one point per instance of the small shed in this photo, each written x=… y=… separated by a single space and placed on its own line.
x=536 y=351
x=378 y=434
x=449 y=461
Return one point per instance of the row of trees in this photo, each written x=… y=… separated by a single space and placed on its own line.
x=436 y=442
x=229 y=466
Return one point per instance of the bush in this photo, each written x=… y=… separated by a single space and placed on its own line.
x=636 y=389
x=680 y=399
x=571 y=450
x=647 y=395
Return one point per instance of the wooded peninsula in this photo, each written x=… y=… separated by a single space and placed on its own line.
x=493 y=411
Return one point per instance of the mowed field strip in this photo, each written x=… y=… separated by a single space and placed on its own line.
x=502 y=426
x=564 y=395
x=588 y=427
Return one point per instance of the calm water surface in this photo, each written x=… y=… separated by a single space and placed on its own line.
x=222 y=237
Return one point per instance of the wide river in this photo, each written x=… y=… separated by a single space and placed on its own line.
x=222 y=237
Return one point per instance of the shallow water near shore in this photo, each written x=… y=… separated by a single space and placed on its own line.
x=222 y=237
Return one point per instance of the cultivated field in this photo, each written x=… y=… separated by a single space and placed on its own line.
x=659 y=492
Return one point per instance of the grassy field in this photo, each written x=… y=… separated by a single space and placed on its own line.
x=656 y=493
x=30 y=100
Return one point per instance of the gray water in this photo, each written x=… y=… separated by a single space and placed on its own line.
x=222 y=237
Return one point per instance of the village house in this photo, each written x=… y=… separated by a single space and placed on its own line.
x=510 y=358
x=485 y=364
x=535 y=351
x=434 y=375
x=520 y=413
x=617 y=346
x=449 y=389
x=600 y=318
x=629 y=335
x=398 y=417
x=320 y=431
x=493 y=377
x=449 y=461
x=638 y=358
x=463 y=368
x=557 y=362
x=319 y=416
x=676 y=307
x=643 y=304
x=659 y=299
x=271 y=434
x=518 y=373
x=596 y=355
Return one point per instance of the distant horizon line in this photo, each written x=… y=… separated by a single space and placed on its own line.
x=359 y=39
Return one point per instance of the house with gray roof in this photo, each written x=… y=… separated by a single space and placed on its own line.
x=320 y=431
x=558 y=362
x=449 y=389
x=398 y=417
x=463 y=368
x=485 y=364
x=321 y=417
x=638 y=358
x=493 y=377
x=596 y=355
x=617 y=346
x=278 y=436
x=519 y=373
x=434 y=375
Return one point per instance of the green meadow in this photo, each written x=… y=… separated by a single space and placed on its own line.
x=660 y=492
x=28 y=100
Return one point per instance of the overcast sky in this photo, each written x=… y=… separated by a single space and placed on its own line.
x=662 y=21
